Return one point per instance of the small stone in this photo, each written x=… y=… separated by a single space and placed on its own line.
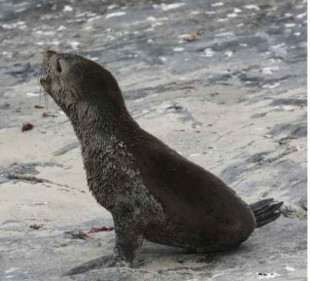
x=36 y=226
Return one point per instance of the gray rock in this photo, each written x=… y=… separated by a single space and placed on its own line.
x=66 y=149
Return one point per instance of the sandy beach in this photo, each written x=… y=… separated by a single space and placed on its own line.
x=232 y=99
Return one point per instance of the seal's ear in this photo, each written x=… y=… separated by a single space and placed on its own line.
x=58 y=66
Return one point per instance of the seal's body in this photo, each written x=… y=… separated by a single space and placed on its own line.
x=151 y=190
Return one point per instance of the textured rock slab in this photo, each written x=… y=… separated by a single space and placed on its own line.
x=270 y=250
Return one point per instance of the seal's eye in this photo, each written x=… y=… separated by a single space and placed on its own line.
x=58 y=66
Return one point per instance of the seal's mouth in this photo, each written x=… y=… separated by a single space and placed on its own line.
x=45 y=80
x=46 y=83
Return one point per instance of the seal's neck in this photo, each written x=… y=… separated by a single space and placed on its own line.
x=108 y=122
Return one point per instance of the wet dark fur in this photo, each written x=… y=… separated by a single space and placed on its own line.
x=151 y=190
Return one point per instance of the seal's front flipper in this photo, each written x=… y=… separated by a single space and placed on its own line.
x=266 y=211
x=124 y=253
x=105 y=261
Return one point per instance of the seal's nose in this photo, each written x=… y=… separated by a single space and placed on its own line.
x=47 y=56
x=48 y=53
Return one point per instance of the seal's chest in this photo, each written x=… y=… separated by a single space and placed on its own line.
x=110 y=170
x=116 y=182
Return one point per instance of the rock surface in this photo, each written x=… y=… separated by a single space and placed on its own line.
x=223 y=83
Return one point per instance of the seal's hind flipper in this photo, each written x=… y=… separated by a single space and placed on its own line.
x=266 y=211
x=258 y=206
x=271 y=218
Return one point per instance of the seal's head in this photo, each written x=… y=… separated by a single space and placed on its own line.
x=72 y=80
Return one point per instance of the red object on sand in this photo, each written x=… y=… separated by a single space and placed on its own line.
x=99 y=229
x=27 y=127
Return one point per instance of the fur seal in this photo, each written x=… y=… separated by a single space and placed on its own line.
x=151 y=190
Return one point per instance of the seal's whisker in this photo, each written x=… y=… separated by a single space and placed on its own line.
x=45 y=100
x=39 y=87
x=43 y=70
